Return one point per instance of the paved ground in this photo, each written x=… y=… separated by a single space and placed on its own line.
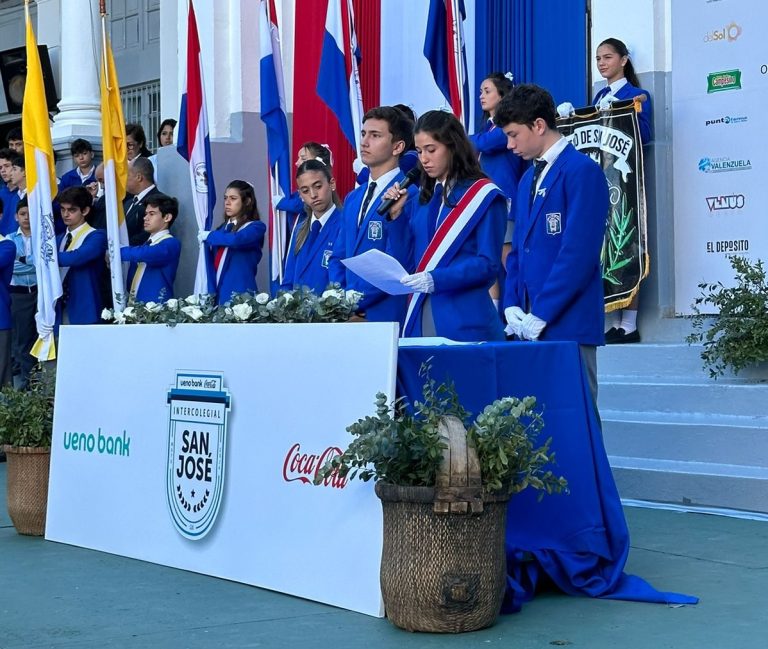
x=53 y=595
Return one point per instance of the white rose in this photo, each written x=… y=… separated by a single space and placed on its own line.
x=106 y=314
x=129 y=312
x=193 y=312
x=173 y=303
x=228 y=310
x=287 y=297
x=242 y=311
x=354 y=296
x=262 y=298
x=153 y=307
x=333 y=292
x=193 y=300
x=119 y=317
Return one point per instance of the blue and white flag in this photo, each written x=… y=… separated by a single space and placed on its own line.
x=194 y=144
x=447 y=55
x=278 y=143
x=338 y=80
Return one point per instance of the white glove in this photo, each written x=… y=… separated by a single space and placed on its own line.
x=419 y=282
x=514 y=316
x=532 y=327
x=605 y=102
x=276 y=198
x=202 y=235
x=566 y=109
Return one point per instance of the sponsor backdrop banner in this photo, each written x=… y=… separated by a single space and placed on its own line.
x=612 y=139
x=175 y=446
x=719 y=90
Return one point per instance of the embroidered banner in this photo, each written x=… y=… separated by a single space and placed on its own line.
x=612 y=139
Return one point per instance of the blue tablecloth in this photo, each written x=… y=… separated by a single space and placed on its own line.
x=580 y=540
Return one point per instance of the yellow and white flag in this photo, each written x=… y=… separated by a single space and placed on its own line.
x=41 y=178
x=115 y=169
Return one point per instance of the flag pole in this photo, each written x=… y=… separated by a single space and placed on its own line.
x=280 y=217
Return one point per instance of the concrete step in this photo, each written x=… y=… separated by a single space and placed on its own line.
x=685 y=437
x=691 y=396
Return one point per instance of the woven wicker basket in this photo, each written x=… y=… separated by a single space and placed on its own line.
x=443 y=563
x=28 y=487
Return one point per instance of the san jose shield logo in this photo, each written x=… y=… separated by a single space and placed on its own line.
x=197 y=443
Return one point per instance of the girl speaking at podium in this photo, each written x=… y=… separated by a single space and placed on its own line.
x=455 y=235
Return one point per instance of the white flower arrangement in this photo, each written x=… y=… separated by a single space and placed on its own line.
x=300 y=305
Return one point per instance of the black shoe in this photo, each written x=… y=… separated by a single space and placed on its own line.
x=2 y=456
x=612 y=336
x=624 y=338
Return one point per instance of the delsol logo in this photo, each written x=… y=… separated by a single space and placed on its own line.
x=197 y=445
x=725 y=80
x=729 y=33
x=302 y=467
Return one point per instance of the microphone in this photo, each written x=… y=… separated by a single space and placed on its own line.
x=411 y=177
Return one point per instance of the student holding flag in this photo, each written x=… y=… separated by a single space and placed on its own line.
x=312 y=243
x=233 y=250
x=457 y=230
x=154 y=264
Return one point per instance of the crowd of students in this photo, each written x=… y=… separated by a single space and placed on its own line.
x=494 y=247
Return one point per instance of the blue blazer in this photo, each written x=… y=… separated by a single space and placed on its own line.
x=85 y=264
x=309 y=267
x=162 y=261
x=554 y=268
x=10 y=199
x=462 y=308
x=373 y=233
x=644 y=117
x=72 y=179
x=7 y=259
x=242 y=259
x=502 y=166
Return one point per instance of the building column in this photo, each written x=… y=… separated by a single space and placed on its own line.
x=79 y=31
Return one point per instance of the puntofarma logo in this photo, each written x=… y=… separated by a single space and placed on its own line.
x=724 y=80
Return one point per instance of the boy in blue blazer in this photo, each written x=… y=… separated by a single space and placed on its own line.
x=554 y=287
x=387 y=133
x=7 y=259
x=84 y=172
x=154 y=263
x=81 y=260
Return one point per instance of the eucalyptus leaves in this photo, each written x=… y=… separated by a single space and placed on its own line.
x=405 y=448
x=300 y=305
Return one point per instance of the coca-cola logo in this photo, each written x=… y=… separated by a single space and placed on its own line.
x=305 y=466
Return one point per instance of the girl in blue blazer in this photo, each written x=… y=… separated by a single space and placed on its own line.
x=312 y=242
x=234 y=248
x=616 y=68
x=455 y=234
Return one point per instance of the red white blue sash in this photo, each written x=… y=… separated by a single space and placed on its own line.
x=449 y=238
x=220 y=268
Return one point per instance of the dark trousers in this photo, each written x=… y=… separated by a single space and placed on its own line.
x=6 y=372
x=23 y=309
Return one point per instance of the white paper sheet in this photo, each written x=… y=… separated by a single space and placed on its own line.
x=379 y=269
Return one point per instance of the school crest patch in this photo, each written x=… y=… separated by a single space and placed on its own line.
x=326 y=258
x=554 y=223
x=375 y=230
x=197 y=445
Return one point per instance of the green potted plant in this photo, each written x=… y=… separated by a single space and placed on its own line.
x=444 y=490
x=26 y=426
x=738 y=337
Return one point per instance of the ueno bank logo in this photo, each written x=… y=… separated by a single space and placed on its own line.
x=729 y=33
x=197 y=444
x=721 y=165
x=304 y=467
x=726 y=202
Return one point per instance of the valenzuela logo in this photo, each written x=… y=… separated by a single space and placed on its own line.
x=725 y=80
x=720 y=165
x=197 y=444
x=725 y=202
x=728 y=33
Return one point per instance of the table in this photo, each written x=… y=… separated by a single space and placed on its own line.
x=580 y=541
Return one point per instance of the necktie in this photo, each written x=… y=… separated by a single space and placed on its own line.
x=537 y=169
x=313 y=232
x=67 y=241
x=133 y=204
x=366 y=202
x=437 y=203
